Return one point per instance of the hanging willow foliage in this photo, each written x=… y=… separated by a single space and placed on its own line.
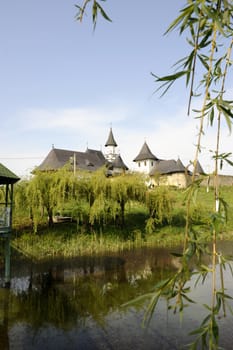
x=127 y=188
x=160 y=204
x=108 y=196
x=96 y=9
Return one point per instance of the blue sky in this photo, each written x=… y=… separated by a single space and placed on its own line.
x=64 y=85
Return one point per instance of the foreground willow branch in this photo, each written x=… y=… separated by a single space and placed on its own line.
x=208 y=25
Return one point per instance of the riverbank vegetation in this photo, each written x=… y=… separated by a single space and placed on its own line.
x=59 y=214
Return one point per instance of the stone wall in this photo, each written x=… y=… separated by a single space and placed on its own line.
x=181 y=180
x=224 y=180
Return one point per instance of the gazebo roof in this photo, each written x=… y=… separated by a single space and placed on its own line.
x=7 y=176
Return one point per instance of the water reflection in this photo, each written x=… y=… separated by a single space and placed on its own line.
x=4 y=307
x=77 y=303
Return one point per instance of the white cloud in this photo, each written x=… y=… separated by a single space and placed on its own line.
x=74 y=119
x=169 y=136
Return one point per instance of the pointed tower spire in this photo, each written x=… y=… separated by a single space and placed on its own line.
x=110 y=141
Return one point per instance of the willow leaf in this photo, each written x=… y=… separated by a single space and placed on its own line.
x=188 y=299
x=168 y=80
x=103 y=13
x=185 y=13
x=138 y=300
x=223 y=295
x=227 y=114
x=201 y=330
x=163 y=283
x=151 y=307
x=203 y=60
x=171 y=77
x=229 y=161
x=94 y=13
x=205 y=41
x=215 y=328
x=211 y=116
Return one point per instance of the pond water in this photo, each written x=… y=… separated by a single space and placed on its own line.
x=77 y=304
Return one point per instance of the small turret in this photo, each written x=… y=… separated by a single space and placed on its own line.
x=145 y=160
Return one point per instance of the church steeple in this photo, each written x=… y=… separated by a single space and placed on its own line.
x=111 y=147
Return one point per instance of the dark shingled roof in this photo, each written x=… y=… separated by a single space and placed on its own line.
x=97 y=154
x=145 y=154
x=7 y=176
x=168 y=167
x=118 y=163
x=57 y=158
x=111 y=141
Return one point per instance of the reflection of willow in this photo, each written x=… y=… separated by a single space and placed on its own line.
x=85 y=297
x=4 y=338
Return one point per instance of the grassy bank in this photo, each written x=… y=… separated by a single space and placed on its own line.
x=69 y=240
x=62 y=240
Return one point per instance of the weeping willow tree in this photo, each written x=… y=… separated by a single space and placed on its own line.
x=108 y=196
x=99 y=198
x=44 y=194
x=43 y=197
x=125 y=189
x=208 y=26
